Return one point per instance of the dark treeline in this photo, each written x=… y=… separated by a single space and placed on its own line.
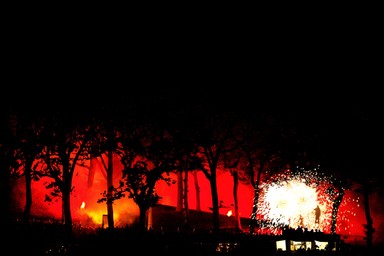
x=183 y=130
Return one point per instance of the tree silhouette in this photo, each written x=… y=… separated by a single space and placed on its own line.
x=231 y=162
x=27 y=130
x=147 y=157
x=213 y=140
x=336 y=191
x=105 y=146
x=67 y=141
x=261 y=142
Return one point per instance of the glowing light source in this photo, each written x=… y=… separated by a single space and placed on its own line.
x=296 y=200
x=292 y=203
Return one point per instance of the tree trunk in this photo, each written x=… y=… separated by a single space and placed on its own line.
x=197 y=189
x=185 y=198
x=335 y=209
x=236 y=201
x=111 y=224
x=254 y=224
x=67 y=217
x=179 y=204
x=215 y=202
x=142 y=218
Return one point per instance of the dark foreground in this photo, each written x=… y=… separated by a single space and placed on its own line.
x=47 y=239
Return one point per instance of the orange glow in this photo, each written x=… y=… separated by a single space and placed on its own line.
x=229 y=213
x=82 y=205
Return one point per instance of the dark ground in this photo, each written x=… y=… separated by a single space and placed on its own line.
x=48 y=239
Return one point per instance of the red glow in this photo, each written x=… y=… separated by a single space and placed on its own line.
x=87 y=212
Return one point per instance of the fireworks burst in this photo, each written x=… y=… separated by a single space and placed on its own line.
x=300 y=199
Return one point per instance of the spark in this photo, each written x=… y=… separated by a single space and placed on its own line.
x=290 y=199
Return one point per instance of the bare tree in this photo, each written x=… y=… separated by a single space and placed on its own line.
x=260 y=144
x=188 y=165
x=67 y=141
x=147 y=157
x=231 y=162
x=27 y=130
x=128 y=147
x=197 y=190
x=214 y=139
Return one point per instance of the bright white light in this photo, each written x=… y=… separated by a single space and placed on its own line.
x=292 y=203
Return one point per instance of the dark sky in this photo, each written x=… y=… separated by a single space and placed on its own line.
x=321 y=70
